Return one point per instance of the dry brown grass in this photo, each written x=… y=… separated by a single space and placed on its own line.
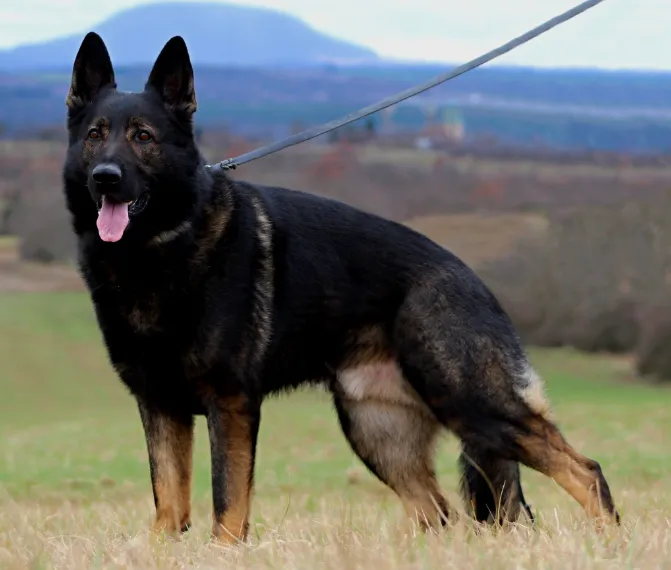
x=106 y=535
x=478 y=238
x=18 y=275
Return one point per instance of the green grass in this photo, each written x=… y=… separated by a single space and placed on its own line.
x=70 y=438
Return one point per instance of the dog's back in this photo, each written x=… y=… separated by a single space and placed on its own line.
x=337 y=269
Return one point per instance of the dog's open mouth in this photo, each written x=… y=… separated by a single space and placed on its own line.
x=136 y=206
x=113 y=216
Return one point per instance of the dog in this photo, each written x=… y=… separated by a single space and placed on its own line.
x=213 y=293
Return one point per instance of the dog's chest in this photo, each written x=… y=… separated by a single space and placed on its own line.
x=142 y=311
x=173 y=327
x=146 y=314
x=145 y=301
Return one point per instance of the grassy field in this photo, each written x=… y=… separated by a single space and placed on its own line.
x=75 y=491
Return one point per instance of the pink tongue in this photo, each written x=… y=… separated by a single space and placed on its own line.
x=112 y=220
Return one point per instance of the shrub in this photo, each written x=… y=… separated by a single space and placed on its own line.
x=41 y=220
x=588 y=281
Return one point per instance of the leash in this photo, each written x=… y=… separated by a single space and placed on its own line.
x=313 y=132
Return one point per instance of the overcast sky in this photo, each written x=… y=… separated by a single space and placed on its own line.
x=617 y=33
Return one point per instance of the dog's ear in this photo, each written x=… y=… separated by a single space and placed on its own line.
x=91 y=72
x=172 y=77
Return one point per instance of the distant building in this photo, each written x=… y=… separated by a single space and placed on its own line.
x=444 y=126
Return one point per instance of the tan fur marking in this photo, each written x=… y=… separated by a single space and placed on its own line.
x=533 y=394
x=171 y=452
x=371 y=373
x=264 y=284
x=92 y=147
x=138 y=123
x=169 y=235
x=391 y=427
x=369 y=345
x=103 y=125
x=191 y=105
x=380 y=381
x=399 y=441
x=423 y=501
x=150 y=154
x=73 y=101
x=144 y=315
x=233 y=525
x=548 y=452
x=217 y=219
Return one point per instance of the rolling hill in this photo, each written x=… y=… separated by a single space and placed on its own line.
x=217 y=34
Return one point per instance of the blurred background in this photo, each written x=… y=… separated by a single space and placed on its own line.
x=549 y=170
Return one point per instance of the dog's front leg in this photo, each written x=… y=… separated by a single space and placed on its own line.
x=169 y=444
x=233 y=424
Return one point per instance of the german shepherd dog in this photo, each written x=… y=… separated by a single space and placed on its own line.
x=212 y=293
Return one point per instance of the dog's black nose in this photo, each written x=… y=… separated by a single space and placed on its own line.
x=106 y=173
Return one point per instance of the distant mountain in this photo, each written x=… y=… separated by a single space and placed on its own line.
x=217 y=35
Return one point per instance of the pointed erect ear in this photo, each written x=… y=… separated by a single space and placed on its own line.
x=172 y=77
x=91 y=72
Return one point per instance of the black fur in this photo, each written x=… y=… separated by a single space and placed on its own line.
x=221 y=292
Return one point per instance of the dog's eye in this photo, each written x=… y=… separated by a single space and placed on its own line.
x=94 y=134
x=143 y=136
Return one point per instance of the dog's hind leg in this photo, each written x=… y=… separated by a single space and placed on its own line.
x=494 y=417
x=535 y=441
x=169 y=444
x=491 y=486
x=394 y=439
x=460 y=353
x=539 y=444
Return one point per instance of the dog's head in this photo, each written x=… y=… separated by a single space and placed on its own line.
x=132 y=157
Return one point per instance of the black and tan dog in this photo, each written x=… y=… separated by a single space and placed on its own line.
x=213 y=293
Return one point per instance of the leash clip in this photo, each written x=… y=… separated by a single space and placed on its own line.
x=227 y=164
